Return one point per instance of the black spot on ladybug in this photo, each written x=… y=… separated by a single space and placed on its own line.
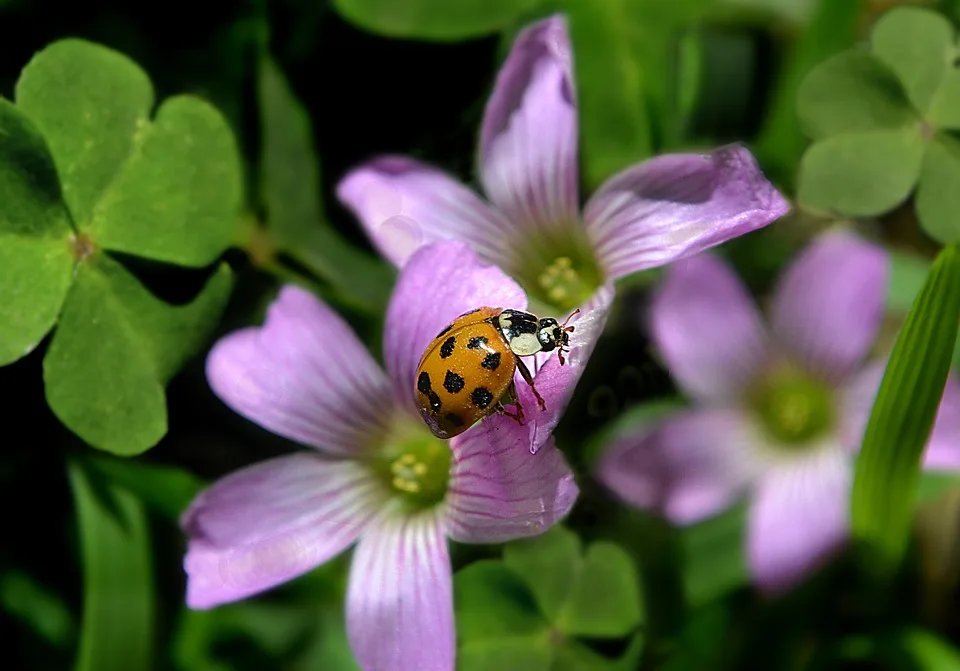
x=453 y=419
x=423 y=383
x=453 y=382
x=434 y=401
x=476 y=342
x=491 y=361
x=447 y=328
x=481 y=397
x=446 y=349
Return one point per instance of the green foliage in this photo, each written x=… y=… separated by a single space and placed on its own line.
x=83 y=172
x=830 y=28
x=36 y=606
x=594 y=595
x=432 y=19
x=881 y=118
x=888 y=466
x=118 y=584
x=526 y=611
x=628 y=42
x=290 y=183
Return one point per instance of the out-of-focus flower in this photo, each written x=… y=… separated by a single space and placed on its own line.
x=377 y=477
x=778 y=412
x=531 y=225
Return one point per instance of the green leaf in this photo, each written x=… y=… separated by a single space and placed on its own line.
x=945 y=108
x=908 y=271
x=117 y=574
x=178 y=197
x=615 y=121
x=596 y=595
x=89 y=102
x=605 y=601
x=506 y=654
x=437 y=20
x=166 y=489
x=574 y=656
x=35 y=261
x=831 y=27
x=290 y=189
x=492 y=601
x=498 y=623
x=36 y=606
x=938 y=193
x=917 y=44
x=860 y=174
x=548 y=564
x=715 y=562
x=888 y=467
x=116 y=347
x=923 y=649
x=852 y=91
x=168 y=190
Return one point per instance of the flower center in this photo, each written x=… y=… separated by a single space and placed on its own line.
x=560 y=273
x=417 y=467
x=793 y=407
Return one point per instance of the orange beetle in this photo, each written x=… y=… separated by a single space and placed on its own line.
x=469 y=367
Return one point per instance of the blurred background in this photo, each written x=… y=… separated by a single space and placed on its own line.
x=679 y=75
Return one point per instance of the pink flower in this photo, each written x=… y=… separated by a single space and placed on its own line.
x=376 y=476
x=779 y=411
x=531 y=226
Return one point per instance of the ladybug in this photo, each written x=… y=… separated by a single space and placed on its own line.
x=468 y=369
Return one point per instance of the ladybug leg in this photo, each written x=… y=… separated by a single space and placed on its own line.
x=501 y=410
x=528 y=378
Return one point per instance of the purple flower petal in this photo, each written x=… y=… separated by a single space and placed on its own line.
x=943 y=449
x=691 y=466
x=528 y=140
x=303 y=375
x=499 y=491
x=707 y=329
x=270 y=522
x=676 y=205
x=403 y=205
x=440 y=282
x=798 y=518
x=556 y=383
x=829 y=303
x=400 y=597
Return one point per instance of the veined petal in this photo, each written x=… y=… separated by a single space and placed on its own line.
x=303 y=375
x=692 y=465
x=498 y=491
x=829 y=303
x=268 y=523
x=798 y=517
x=528 y=140
x=676 y=205
x=400 y=597
x=556 y=383
x=404 y=204
x=707 y=329
x=439 y=283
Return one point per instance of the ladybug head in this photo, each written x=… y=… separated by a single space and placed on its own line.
x=553 y=335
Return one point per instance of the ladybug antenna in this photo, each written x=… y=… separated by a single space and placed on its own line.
x=563 y=345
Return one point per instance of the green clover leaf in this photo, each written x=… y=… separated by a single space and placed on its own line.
x=84 y=172
x=881 y=119
x=501 y=625
x=595 y=594
x=35 y=260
